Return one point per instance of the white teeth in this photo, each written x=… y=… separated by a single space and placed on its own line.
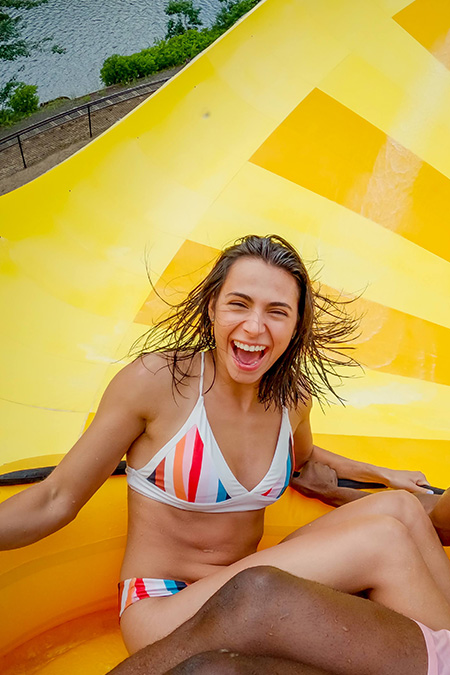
x=249 y=348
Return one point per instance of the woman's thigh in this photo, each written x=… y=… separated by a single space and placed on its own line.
x=348 y=557
x=398 y=504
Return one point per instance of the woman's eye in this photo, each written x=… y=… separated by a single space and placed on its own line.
x=236 y=303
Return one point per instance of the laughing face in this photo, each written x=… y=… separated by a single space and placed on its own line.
x=255 y=316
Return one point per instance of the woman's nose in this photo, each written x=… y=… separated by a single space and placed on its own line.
x=254 y=324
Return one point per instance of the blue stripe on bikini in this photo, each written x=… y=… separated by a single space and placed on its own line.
x=174 y=586
x=222 y=494
x=288 y=474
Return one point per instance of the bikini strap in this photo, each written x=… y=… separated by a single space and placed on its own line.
x=202 y=372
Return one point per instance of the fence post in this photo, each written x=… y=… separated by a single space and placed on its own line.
x=90 y=123
x=21 y=152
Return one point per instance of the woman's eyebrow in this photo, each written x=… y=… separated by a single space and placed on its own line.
x=280 y=304
x=244 y=296
x=241 y=295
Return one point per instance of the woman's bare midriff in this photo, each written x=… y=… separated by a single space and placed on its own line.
x=169 y=543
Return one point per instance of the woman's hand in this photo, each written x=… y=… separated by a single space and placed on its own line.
x=413 y=481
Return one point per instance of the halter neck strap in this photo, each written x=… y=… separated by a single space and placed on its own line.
x=202 y=372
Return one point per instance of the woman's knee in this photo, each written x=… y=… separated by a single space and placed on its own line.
x=385 y=539
x=401 y=505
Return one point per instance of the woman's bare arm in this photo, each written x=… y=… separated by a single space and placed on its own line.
x=413 y=481
x=306 y=453
x=46 y=507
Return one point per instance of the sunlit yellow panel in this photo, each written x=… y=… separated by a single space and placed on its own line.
x=31 y=431
x=327 y=148
x=395 y=342
x=188 y=267
x=345 y=250
x=384 y=404
x=428 y=21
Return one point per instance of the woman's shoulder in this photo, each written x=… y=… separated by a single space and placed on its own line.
x=145 y=368
x=300 y=413
x=160 y=370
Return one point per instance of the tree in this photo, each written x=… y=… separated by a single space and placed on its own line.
x=18 y=99
x=12 y=44
x=187 y=17
x=232 y=10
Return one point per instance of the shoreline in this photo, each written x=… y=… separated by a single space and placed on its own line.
x=63 y=147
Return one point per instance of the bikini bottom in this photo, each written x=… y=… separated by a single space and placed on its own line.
x=133 y=590
x=438 y=648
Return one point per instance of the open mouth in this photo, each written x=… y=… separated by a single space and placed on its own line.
x=248 y=355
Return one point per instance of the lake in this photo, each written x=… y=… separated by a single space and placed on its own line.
x=90 y=31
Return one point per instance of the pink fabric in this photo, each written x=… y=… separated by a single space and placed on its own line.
x=438 y=647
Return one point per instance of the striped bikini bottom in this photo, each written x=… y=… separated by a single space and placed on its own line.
x=133 y=590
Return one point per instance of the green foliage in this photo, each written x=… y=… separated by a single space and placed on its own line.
x=164 y=54
x=187 y=17
x=176 y=49
x=24 y=101
x=12 y=44
x=17 y=100
x=232 y=11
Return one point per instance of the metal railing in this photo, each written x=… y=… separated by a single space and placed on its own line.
x=69 y=115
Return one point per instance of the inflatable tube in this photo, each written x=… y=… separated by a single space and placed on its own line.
x=324 y=122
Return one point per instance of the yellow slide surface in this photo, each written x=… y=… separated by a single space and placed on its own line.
x=325 y=122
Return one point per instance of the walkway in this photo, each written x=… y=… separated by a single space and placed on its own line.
x=68 y=130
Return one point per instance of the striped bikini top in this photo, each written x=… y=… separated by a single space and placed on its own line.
x=191 y=473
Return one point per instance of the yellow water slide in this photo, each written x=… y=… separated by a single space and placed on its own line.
x=325 y=121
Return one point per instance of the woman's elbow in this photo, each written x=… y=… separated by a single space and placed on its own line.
x=60 y=509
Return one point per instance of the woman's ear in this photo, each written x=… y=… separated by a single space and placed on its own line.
x=211 y=310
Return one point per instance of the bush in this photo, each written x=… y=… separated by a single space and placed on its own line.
x=233 y=11
x=174 y=51
x=24 y=101
x=17 y=100
x=164 y=54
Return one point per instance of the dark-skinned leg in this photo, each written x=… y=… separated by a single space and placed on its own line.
x=229 y=663
x=266 y=612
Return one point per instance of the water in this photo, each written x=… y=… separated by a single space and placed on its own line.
x=90 y=31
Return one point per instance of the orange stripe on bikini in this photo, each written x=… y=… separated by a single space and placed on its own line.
x=130 y=592
x=159 y=475
x=178 y=469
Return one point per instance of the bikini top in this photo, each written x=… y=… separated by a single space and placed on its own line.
x=190 y=472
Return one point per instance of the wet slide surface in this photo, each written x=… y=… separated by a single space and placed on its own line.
x=324 y=122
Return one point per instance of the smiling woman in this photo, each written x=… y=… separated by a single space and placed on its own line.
x=213 y=415
x=322 y=330
x=254 y=318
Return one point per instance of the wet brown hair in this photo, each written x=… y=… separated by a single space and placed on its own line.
x=316 y=353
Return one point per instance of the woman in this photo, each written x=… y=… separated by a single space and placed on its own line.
x=214 y=416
